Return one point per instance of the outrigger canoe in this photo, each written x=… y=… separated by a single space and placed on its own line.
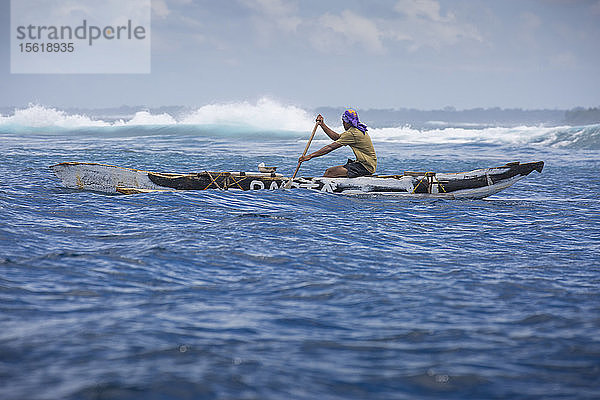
x=475 y=184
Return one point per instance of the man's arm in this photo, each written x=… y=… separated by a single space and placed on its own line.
x=330 y=132
x=324 y=150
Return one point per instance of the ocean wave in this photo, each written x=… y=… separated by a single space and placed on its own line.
x=562 y=137
x=265 y=114
x=145 y=118
x=38 y=116
x=285 y=121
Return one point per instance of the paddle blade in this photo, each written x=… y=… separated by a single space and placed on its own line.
x=288 y=185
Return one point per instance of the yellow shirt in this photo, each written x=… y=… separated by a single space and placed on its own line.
x=361 y=146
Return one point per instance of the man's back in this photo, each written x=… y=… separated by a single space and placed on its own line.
x=362 y=146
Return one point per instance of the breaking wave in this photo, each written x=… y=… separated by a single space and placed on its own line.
x=264 y=114
x=585 y=137
x=37 y=116
x=267 y=116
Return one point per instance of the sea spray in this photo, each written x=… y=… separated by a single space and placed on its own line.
x=268 y=118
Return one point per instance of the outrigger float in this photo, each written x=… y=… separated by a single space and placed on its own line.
x=475 y=184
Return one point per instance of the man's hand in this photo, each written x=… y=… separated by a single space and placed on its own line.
x=304 y=158
x=319 y=119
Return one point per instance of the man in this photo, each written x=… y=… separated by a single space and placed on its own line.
x=359 y=141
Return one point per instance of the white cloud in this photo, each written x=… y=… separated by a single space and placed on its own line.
x=355 y=29
x=69 y=9
x=418 y=23
x=527 y=32
x=190 y=22
x=271 y=7
x=275 y=13
x=424 y=25
x=160 y=8
x=426 y=9
x=69 y=12
x=531 y=21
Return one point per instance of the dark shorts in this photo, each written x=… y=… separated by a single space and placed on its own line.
x=356 y=169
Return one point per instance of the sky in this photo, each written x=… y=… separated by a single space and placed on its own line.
x=423 y=54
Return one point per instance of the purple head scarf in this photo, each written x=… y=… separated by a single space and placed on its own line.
x=350 y=116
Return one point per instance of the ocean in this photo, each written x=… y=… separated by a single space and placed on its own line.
x=292 y=294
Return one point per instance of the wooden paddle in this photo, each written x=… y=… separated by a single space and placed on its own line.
x=289 y=183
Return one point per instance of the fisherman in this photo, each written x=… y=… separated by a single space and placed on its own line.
x=357 y=138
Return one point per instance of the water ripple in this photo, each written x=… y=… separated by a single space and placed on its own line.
x=294 y=294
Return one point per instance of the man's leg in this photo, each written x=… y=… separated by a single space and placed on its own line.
x=336 y=172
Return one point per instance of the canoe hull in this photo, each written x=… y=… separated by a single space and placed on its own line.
x=101 y=177
x=475 y=184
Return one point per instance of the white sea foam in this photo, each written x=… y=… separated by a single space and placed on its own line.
x=38 y=116
x=270 y=116
x=145 y=118
x=498 y=135
x=266 y=114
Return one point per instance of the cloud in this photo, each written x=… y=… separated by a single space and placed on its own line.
x=423 y=24
x=275 y=13
x=354 y=29
x=160 y=8
x=425 y=9
x=531 y=21
x=270 y=7
x=527 y=33
x=73 y=12
x=415 y=23
x=70 y=9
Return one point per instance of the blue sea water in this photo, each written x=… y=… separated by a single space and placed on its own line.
x=298 y=294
